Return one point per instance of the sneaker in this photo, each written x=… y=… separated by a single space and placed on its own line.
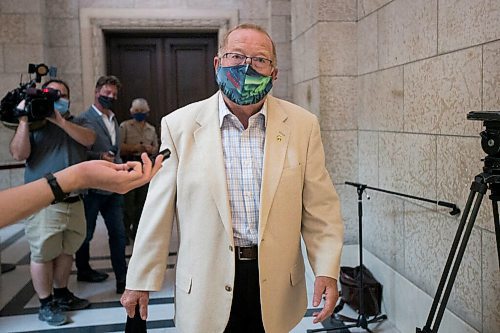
x=70 y=302
x=51 y=314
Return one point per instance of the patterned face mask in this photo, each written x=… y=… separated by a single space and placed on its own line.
x=242 y=84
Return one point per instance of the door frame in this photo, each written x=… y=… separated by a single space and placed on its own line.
x=95 y=21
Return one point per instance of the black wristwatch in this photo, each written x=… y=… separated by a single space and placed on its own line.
x=59 y=195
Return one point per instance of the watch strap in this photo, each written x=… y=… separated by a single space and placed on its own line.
x=59 y=195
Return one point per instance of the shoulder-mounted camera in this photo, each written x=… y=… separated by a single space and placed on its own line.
x=38 y=103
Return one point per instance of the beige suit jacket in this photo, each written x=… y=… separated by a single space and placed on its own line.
x=297 y=199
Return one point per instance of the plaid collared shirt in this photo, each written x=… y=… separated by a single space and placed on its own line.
x=243 y=158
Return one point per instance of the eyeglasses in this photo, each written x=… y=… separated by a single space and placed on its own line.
x=239 y=59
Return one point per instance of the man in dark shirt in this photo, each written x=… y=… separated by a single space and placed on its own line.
x=56 y=232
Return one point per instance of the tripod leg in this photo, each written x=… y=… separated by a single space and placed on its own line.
x=447 y=279
x=497 y=226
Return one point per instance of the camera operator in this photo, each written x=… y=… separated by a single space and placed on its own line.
x=55 y=233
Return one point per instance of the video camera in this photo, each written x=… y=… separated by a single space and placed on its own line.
x=38 y=103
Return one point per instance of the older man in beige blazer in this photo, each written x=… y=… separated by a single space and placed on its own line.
x=296 y=199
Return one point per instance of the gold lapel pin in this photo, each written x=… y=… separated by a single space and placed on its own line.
x=279 y=138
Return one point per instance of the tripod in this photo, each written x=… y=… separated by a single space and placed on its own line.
x=479 y=187
x=362 y=320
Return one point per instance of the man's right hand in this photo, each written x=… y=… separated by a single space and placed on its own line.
x=131 y=298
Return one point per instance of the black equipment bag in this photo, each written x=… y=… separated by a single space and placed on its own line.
x=372 y=290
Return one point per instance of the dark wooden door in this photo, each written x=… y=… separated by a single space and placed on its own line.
x=168 y=70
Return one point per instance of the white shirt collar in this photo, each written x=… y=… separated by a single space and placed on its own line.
x=111 y=114
x=224 y=110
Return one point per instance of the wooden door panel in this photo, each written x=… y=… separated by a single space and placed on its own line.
x=169 y=70
x=136 y=62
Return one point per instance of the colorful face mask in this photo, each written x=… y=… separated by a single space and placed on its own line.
x=106 y=102
x=62 y=105
x=242 y=84
x=139 y=116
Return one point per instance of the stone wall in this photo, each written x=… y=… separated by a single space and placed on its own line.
x=392 y=83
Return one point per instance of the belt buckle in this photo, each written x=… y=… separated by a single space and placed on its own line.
x=240 y=253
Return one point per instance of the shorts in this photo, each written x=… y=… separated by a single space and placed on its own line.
x=59 y=228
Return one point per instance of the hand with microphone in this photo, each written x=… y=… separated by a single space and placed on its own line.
x=110 y=154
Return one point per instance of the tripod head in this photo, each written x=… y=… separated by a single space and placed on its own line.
x=490 y=139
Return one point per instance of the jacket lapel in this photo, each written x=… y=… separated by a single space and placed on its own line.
x=208 y=140
x=100 y=122
x=277 y=138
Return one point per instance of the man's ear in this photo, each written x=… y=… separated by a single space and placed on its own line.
x=274 y=74
x=216 y=63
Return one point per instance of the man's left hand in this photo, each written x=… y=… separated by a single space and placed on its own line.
x=327 y=286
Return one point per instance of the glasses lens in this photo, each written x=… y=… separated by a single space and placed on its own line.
x=235 y=59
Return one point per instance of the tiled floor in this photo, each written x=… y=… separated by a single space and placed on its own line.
x=19 y=304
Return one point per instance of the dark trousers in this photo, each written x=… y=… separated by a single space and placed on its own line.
x=111 y=209
x=246 y=316
x=134 y=202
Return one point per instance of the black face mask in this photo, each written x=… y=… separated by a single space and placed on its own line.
x=106 y=102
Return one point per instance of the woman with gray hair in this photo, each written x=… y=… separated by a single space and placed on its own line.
x=137 y=137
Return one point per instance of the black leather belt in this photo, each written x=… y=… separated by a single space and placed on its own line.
x=246 y=252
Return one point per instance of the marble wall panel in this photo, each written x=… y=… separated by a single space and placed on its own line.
x=458 y=162
x=305 y=61
x=165 y=3
x=2 y=68
x=62 y=8
x=6 y=135
x=280 y=29
x=106 y=3
x=367 y=47
x=63 y=32
x=306 y=94
x=491 y=284
x=336 y=10
x=439 y=92
x=383 y=228
x=284 y=55
x=303 y=17
x=338 y=102
x=281 y=7
x=348 y=205
x=463 y=23
x=4 y=180
x=407 y=164
x=251 y=9
x=365 y=7
x=12 y=29
x=67 y=59
x=380 y=100
x=407 y=31
x=75 y=83
x=34 y=29
x=282 y=86
x=341 y=150
x=16 y=177
x=429 y=236
x=491 y=76
x=368 y=157
x=22 y=7
x=18 y=56
x=10 y=81
x=337 y=48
